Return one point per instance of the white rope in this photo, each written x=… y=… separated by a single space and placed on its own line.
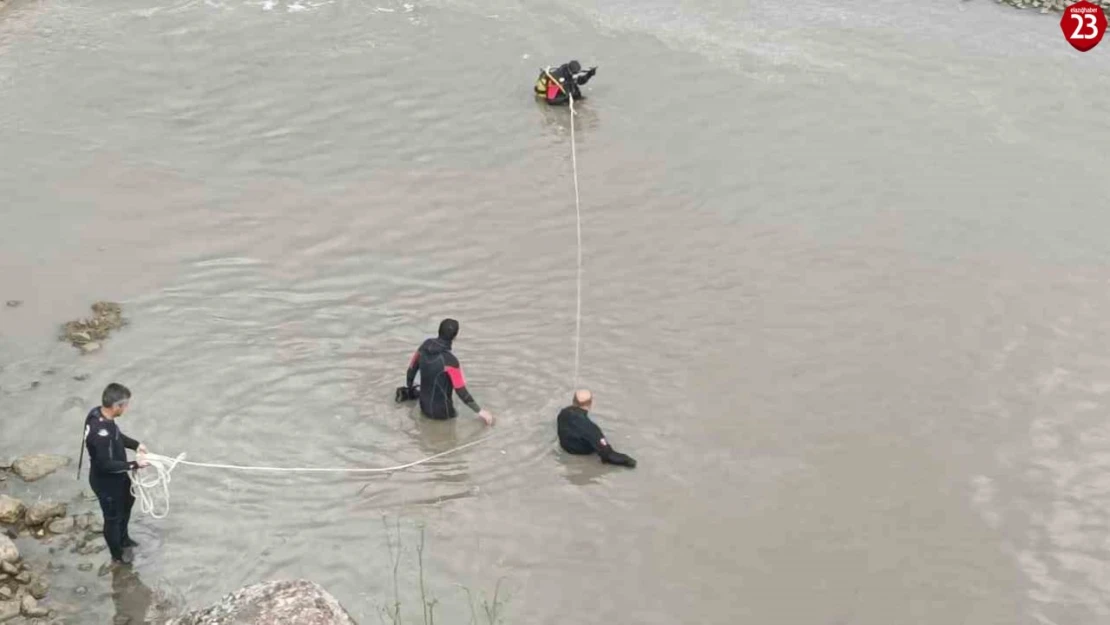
x=578 y=227
x=145 y=487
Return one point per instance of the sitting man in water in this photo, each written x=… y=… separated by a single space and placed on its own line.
x=440 y=376
x=579 y=435
x=108 y=469
x=567 y=78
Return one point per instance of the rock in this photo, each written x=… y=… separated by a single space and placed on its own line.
x=43 y=511
x=8 y=553
x=35 y=384
x=96 y=524
x=14 y=303
x=5 y=593
x=9 y=610
x=89 y=348
x=5 y=463
x=81 y=590
x=82 y=377
x=107 y=316
x=63 y=525
x=9 y=568
x=36 y=467
x=32 y=609
x=23 y=578
x=38 y=586
x=11 y=509
x=90 y=549
x=85 y=567
x=270 y=603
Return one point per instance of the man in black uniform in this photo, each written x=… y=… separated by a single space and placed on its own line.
x=567 y=79
x=440 y=376
x=108 y=468
x=579 y=435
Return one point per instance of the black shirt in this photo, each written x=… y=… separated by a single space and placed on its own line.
x=106 y=447
x=579 y=435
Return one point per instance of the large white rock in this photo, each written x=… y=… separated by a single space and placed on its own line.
x=272 y=603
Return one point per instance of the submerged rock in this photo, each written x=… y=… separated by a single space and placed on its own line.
x=14 y=303
x=86 y=333
x=38 y=586
x=273 y=603
x=38 y=466
x=63 y=525
x=42 y=511
x=11 y=509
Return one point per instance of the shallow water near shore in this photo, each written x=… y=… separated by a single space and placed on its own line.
x=845 y=299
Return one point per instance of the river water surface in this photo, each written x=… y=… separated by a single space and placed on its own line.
x=845 y=299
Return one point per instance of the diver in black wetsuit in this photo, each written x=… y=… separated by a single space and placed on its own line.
x=568 y=77
x=579 y=435
x=440 y=376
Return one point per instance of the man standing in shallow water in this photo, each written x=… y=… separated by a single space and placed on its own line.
x=579 y=435
x=440 y=377
x=108 y=469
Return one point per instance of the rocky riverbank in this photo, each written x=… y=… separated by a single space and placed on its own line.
x=24 y=580
x=43 y=537
x=1047 y=6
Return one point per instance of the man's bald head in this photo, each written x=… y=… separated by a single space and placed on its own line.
x=583 y=398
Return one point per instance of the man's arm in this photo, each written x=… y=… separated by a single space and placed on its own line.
x=592 y=433
x=458 y=382
x=129 y=442
x=414 y=366
x=585 y=77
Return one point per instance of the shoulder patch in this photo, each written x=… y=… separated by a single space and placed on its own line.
x=102 y=432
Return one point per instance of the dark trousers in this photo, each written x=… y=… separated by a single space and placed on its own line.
x=116 y=502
